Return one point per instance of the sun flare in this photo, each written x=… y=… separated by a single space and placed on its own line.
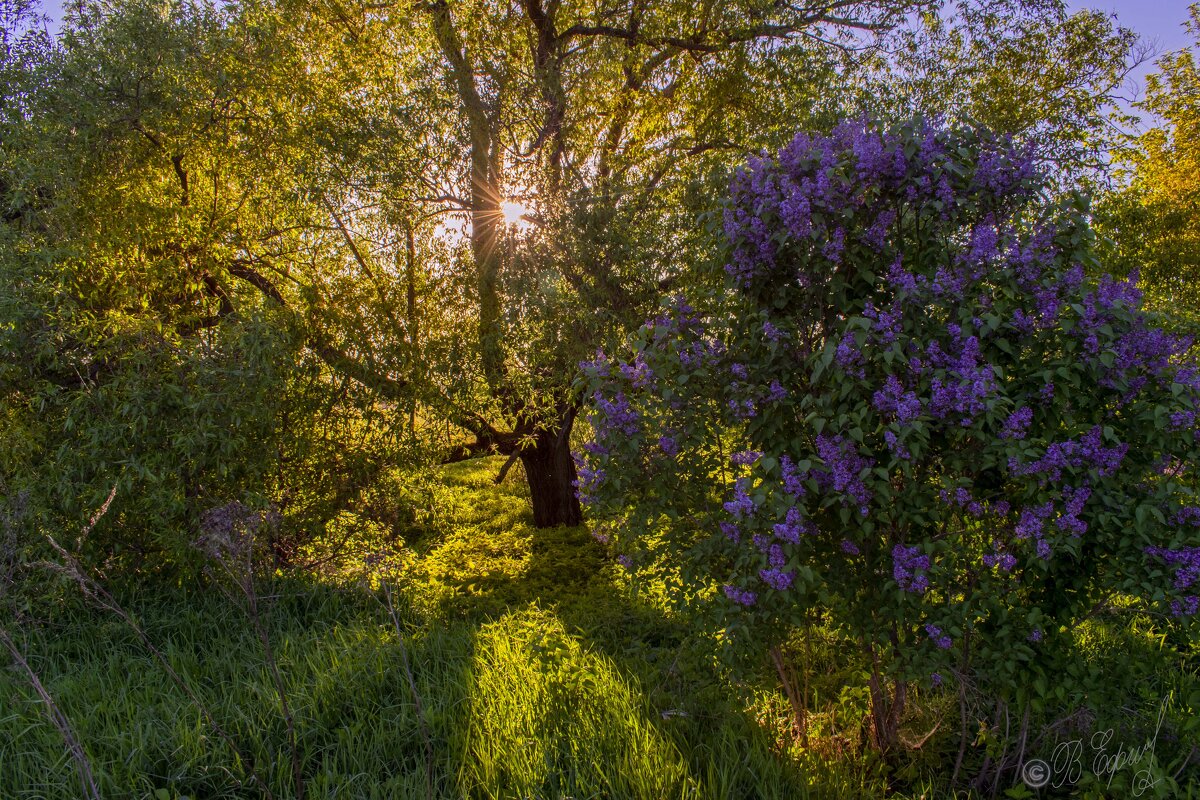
x=515 y=214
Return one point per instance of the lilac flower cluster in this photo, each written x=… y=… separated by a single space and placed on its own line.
x=1017 y=424
x=893 y=399
x=598 y=367
x=613 y=417
x=743 y=597
x=637 y=372
x=777 y=579
x=793 y=478
x=745 y=458
x=849 y=357
x=742 y=505
x=895 y=446
x=1186 y=562
x=843 y=468
x=678 y=318
x=998 y=558
x=1073 y=502
x=588 y=482
x=886 y=324
x=1086 y=452
x=969 y=382
x=937 y=637
x=794 y=526
x=961 y=497
x=909 y=568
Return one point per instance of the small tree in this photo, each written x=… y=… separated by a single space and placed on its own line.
x=908 y=409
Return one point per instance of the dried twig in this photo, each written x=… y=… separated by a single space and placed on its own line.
x=57 y=717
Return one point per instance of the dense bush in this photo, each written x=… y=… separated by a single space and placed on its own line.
x=907 y=407
x=96 y=394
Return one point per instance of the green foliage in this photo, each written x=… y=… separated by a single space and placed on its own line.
x=1028 y=68
x=1154 y=219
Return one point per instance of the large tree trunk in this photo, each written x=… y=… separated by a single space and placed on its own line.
x=550 y=472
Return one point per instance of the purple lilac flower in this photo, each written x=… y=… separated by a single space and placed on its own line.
x=893 y=399
x=1187 y=606
x=940 y=639
x=849 y=357
x=614 y=416
x=739 y=371
x=625 y=561
x=935 y=678
x=885 y=324
x=897 y=447
x=1035 y=635
x=745 y=458
x=1033 y=520
x=742 y=505
x=1088 y=451
x=599 y=366
x=742 y=409
x=1187 y=515
x=794 y=526
x=1006 y=561
x=909 y=566
x=902 y=281
x=1017 y=424
x=1186 y=562
x=776 y=393
x=1183 y=419
x=668 y=445
x=588 y=482
x=638 y=373
x=1074 y=500
x=843 y=467
x=793 y=479
x=731 y=531
x=772 y=333
x=849 y=548
x=743 y=597
x=777 y=579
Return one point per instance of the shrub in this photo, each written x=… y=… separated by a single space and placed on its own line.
x=909 y=409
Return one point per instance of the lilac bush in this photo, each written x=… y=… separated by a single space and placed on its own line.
x=907 y=407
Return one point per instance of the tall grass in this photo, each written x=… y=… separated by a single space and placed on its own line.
x=510 y=663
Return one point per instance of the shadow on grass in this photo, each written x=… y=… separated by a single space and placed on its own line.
x=538 y=676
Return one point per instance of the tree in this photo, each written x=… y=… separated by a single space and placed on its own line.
x=1027 y=68
x=1154 y=218
x=908 y=409
x=174 y=231
x=590 y=115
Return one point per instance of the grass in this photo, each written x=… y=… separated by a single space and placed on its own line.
x=538 y=676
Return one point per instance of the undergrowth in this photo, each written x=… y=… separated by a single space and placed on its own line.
x=538 y=673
